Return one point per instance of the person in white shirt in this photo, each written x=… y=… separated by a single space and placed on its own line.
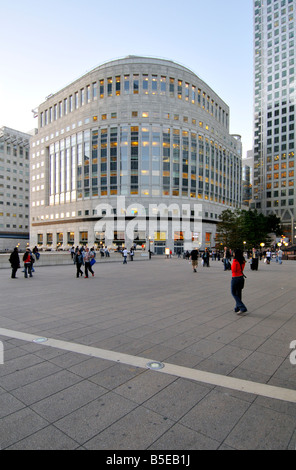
x=124 y=253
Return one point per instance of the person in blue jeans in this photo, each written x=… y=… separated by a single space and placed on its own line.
x=27 y=259
x=238 y=281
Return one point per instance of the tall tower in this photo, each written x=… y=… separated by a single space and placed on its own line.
x=274 y=110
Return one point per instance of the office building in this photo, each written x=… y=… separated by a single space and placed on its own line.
x=274 y=110
x=14 y=189
x=137 y=138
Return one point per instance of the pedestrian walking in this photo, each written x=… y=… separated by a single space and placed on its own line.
x=72 y=251
x=14 y=260
x=87 y=257
x=226 y=259
x=206 y=258
x=255 y=260
x=194 y=259
x=79 y=263
x=238 y=281
x=268 y=256
x=280 y=256
x=124 y=254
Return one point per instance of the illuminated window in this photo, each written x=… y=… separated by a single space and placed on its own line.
x=145 y=84
x=101 y=88
x=109 y=86
x=118 y=85
x=180 y=89
x=154 y=84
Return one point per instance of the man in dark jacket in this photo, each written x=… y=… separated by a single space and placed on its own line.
x=194 y=259
x=14 y=260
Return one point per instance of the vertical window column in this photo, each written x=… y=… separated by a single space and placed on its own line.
x=200 y=166
x=104 y=155
x=73 y=167
x=193 y=165
x=86 y=163
x=79 y=165
x=166 y=163
x=134 y=160
x=155 y=161
x=185 y=165
x=145 y=160
x=62 y=171
x=57 y=173
x=52 y=174
x=176 y=162
x=94 y=163
x=68 y=169
x=124 y=132
x=113 y=161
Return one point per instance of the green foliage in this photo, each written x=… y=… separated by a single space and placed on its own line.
x=249 y=226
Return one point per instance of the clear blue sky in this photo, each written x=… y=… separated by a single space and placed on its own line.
x=47 y=45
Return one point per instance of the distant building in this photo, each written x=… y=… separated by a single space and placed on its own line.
x=14 y=189
x=143 y=130
x=247 y=178
x=274 y=110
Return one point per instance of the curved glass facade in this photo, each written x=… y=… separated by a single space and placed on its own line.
x=146 y=129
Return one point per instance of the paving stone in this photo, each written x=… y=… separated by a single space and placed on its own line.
x=54 y=398
x=215 y=415
x=118 y=436
x=262 y=428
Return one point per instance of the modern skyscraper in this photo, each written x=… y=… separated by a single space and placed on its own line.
x=274 y=110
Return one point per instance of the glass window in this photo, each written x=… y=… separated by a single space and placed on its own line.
x=172 y=87
x=126 y=84
x=109 y=86
x=163 y=85
x=136 y=84
x=154 y=84
x=180 y=89
x=145 y=84
x=94 y=90
x=118 y=83
x=101 y=88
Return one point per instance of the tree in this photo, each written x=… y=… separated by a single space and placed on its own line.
x=227 y=233
x=246 y=228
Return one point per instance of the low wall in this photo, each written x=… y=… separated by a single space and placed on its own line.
x=64 y=258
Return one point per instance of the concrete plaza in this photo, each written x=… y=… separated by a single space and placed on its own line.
x=80 y=354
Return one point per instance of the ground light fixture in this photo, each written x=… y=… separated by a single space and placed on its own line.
x=155 y=365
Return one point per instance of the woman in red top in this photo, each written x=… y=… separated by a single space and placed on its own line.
x=237 y=281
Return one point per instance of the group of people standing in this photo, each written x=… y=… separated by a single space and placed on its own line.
x=29 y=258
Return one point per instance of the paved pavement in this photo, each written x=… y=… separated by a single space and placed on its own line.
x=80 y=355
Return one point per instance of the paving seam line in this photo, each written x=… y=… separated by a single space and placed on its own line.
x=241 y=385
